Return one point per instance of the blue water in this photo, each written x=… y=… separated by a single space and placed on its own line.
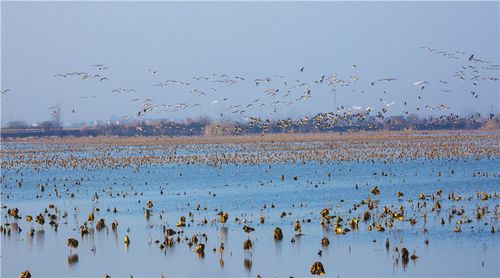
x=243 y=190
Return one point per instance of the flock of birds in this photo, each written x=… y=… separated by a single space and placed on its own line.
x=278 y=92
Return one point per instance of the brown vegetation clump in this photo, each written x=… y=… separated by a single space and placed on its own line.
x=317 y=269
x=278 y=234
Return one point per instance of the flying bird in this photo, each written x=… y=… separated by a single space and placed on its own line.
x=420 y=82
x=387 y=104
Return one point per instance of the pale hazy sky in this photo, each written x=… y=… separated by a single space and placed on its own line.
x=249 y=39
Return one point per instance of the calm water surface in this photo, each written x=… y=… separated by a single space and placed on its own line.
x=243 y=190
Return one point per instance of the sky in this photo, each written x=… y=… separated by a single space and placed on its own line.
x=247 y=39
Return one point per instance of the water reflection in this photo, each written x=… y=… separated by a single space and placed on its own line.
x=115 y=235
x=29 y=238
x=248 y=264
x=40 y=238
x=200 y=255
x=298 y=238
x=278 y=247
x=223 y=234
x=14 y=227
x=72 y=259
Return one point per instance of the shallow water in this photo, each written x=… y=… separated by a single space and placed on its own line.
x=243 y=190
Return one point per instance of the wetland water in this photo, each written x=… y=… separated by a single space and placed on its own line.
x=247 y=191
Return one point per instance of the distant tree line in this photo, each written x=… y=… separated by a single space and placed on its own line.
x=204 y=126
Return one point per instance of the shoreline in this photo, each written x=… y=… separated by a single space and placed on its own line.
x=253 y=138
